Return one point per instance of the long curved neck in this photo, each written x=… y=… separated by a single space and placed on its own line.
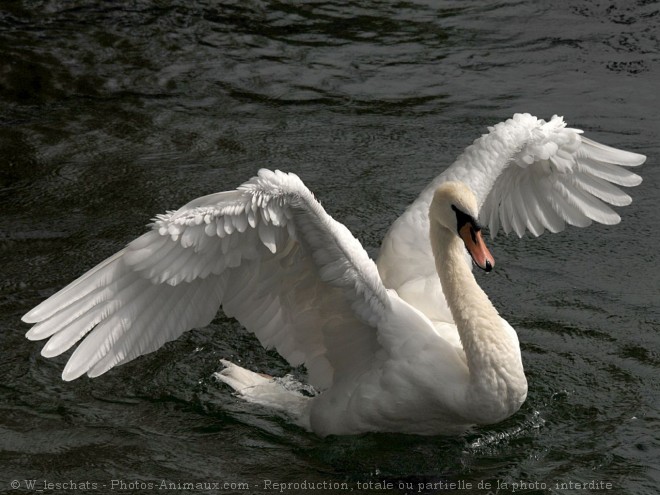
x=492 y=352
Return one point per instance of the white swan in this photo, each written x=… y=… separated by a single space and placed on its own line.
x=392 y=347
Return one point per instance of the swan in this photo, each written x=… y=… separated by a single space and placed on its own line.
x=409 y=343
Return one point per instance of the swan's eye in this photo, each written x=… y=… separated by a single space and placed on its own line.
x=463 y=218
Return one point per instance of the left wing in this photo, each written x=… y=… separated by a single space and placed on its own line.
x=268 y=253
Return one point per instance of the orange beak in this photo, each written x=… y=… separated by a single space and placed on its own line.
x=477 y=247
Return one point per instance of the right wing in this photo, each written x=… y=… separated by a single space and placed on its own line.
x=268 y=253
x=559 y=177
x=527 y=174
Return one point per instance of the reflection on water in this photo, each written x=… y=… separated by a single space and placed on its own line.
x=111 y=113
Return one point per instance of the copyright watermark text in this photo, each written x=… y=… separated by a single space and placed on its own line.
x=267 y=485
x=125 y=485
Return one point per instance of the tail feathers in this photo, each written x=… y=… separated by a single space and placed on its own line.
x=284 y=395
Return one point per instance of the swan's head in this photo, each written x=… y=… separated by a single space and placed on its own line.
x=454 y=207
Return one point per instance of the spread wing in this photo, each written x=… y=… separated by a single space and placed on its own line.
x=559 y=177
x=527 y=174
x=268 y=253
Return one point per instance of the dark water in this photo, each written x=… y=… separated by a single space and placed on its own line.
x=111 y=113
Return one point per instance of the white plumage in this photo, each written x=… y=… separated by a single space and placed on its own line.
x=390 y=347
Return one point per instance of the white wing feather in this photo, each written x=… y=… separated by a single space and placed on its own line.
x=528 y=175
x=556 y=177
x=267 y=253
